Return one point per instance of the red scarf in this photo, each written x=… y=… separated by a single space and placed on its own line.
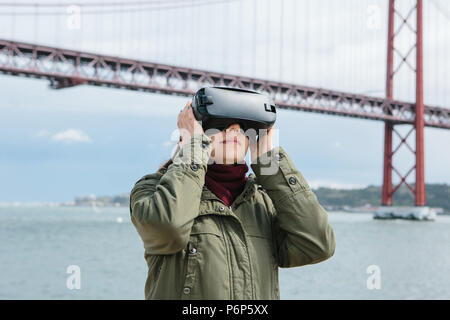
x=226 y=181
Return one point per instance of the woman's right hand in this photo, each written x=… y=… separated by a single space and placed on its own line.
x=187 y=124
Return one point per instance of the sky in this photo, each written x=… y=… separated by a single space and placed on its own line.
x=59 y=144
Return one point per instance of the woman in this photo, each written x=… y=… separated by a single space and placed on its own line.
x=211 y=232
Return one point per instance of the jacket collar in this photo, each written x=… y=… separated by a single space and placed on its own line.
x=249 y=190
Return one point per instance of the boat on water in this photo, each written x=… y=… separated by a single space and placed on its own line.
x=405 y=212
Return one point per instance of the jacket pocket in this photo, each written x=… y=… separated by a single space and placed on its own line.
x=206 y=274
x=206 y=225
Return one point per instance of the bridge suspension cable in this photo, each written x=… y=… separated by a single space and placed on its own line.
x=166 y=5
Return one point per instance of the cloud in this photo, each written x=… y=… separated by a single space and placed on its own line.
x=71 y=135
x=43 y=133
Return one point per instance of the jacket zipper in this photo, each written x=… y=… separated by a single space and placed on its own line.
x=230 y=277
x=246 y=245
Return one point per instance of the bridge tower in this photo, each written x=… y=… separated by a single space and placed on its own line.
x=419 y=188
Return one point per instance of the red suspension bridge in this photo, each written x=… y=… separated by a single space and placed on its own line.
x=65 y=68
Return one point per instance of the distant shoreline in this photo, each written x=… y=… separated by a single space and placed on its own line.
x=347 y=200
x=346 y=209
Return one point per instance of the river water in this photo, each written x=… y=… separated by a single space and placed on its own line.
x=411 y=259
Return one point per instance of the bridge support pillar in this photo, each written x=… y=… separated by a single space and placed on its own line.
x=386 y=194
x=419 y=187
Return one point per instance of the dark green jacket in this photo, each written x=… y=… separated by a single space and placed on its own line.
x=196 y=247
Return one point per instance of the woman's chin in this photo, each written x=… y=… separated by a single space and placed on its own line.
x=234 y=160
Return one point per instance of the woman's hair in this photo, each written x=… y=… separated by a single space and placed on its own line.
x=166 y=164
x=170 y=161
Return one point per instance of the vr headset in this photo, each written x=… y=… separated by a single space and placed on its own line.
x=219 y=107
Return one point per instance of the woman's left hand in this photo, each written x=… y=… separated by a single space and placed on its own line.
x=263 y=144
